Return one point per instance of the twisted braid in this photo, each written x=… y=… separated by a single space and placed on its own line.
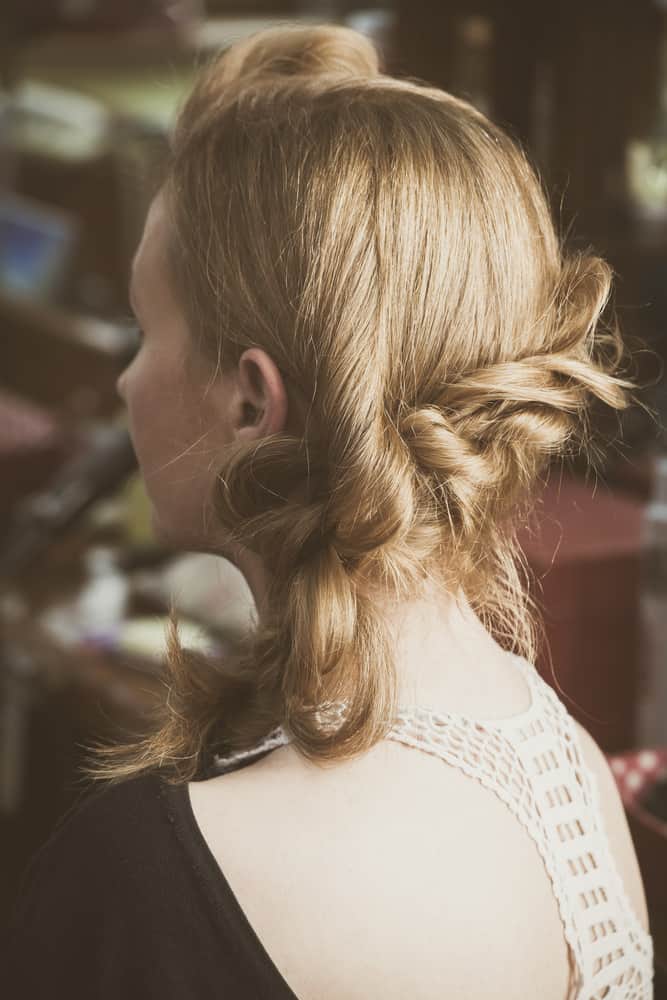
x=494 y=428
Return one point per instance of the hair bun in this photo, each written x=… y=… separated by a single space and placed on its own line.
x=292 y=49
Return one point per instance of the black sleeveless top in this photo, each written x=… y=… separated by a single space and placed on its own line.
x=125 y=899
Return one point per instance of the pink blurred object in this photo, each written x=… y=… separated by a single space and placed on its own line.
x=636 y=771
x=32 y=446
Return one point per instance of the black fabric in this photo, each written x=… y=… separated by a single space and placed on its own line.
x=126 y=900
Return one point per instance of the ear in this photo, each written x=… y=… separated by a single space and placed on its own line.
x=261 y=398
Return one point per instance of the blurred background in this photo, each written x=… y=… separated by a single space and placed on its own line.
x=88 y=91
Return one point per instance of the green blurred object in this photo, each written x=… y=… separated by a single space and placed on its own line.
x=149 y=96
x=139 y=75
x=138 y=519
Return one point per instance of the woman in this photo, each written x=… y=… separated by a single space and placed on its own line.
x=363 y=345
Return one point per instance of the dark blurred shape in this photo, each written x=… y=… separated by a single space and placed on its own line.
x=656 y=801
x=571 y=81
x=43 y=16
x=104 y=462
x=58 y=372
x=65 y=362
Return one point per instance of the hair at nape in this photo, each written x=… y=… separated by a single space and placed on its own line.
x=393 y=250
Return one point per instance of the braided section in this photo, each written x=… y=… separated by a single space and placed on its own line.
x=372 y=504
x=275 y=497
x=496 y=427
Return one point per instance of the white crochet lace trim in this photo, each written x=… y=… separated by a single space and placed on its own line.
x=532 y=761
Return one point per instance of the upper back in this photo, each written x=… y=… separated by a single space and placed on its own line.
x=393 y=875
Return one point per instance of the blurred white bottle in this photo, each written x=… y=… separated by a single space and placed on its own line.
x=102 y=604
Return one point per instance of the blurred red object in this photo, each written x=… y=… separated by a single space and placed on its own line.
x=586 y=557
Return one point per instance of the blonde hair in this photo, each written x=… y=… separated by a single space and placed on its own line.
x=393 y=251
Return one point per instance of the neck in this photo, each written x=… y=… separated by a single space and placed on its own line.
x=442 y=649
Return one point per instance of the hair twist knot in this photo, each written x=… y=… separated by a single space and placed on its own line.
x=452 y=463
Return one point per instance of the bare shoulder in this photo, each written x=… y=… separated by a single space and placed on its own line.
x=616 y=823
x=282 y=826
x=451 y=853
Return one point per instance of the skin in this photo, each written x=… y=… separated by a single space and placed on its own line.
x=181 y=418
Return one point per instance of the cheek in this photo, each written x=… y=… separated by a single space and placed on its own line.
x=176 y=457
